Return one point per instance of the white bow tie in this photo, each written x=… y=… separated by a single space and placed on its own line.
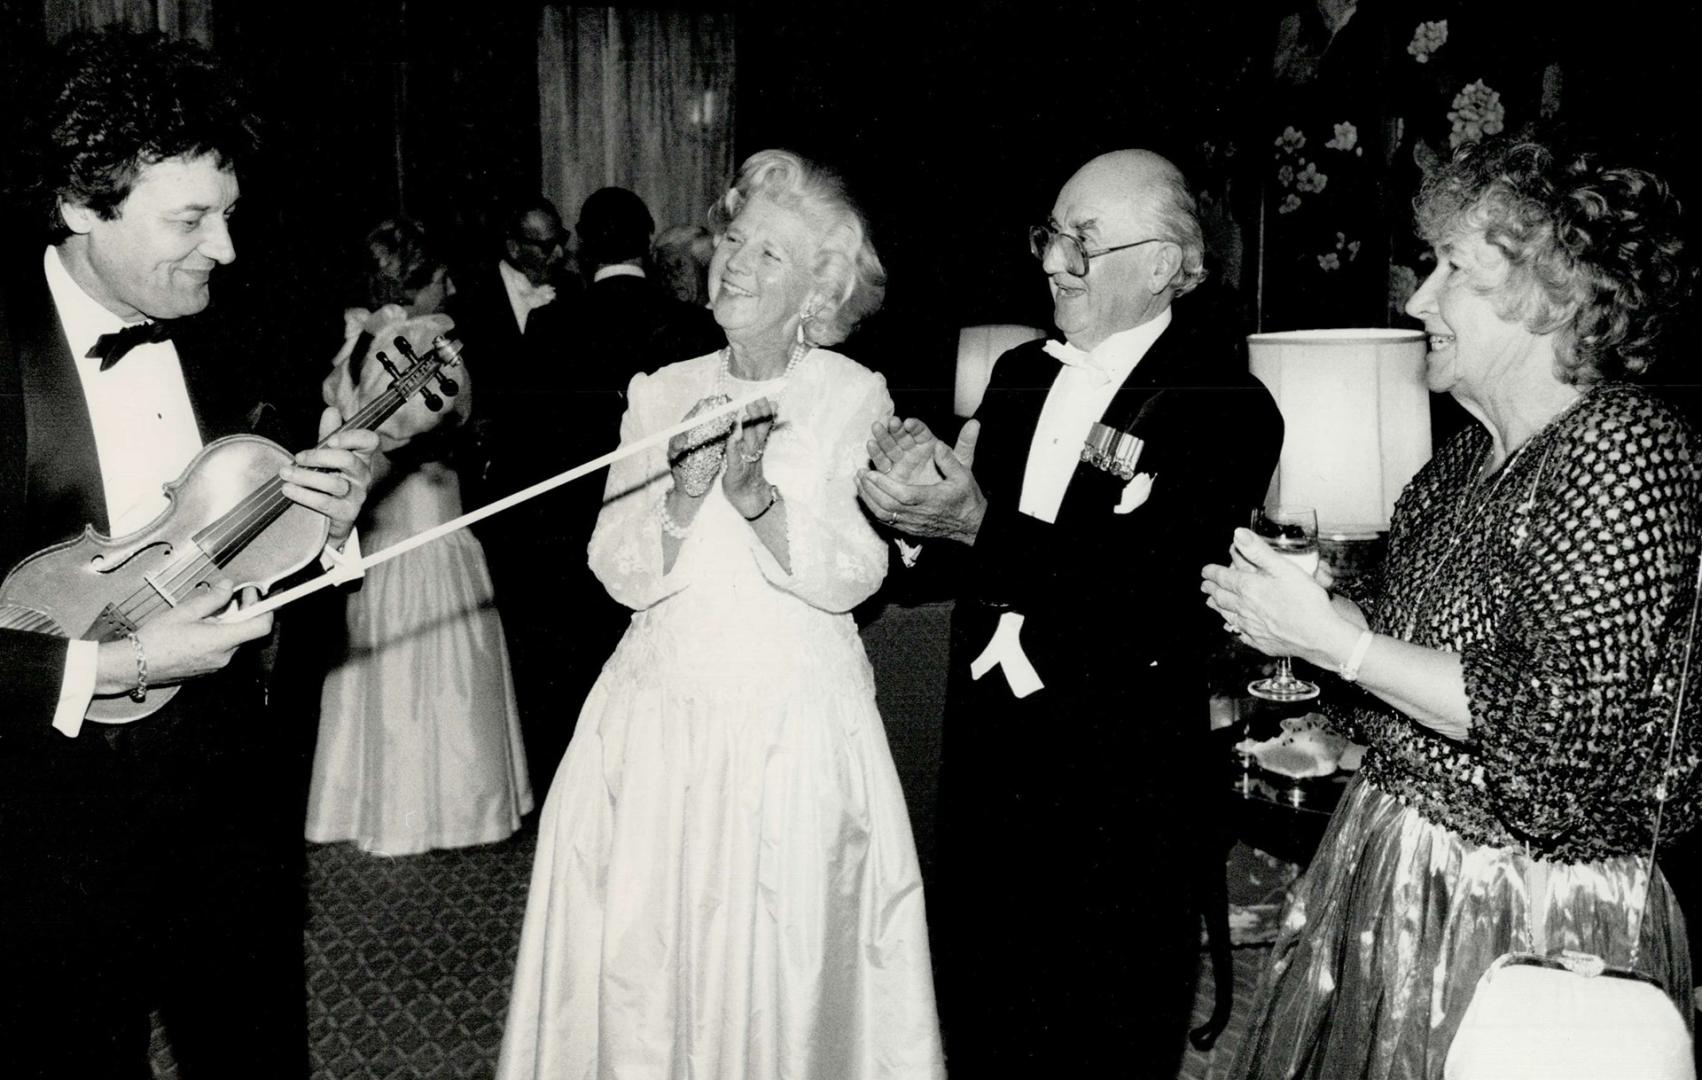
x=533 y=297
x=1070 y=356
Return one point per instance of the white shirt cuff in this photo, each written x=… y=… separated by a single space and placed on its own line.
x=1005 y=652
x=908 y=553
x=345 y=563
x=77 y=689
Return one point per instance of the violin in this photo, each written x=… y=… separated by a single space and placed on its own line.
x=226 y=517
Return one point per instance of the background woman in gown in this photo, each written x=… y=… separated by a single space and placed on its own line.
x=726 y=884
x=419 y=738
x=1523 y=648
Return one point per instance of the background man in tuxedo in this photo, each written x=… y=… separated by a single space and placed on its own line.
x=1072 y=792
x=512 y=316
x=626 y=323
x=156 y=864
x=561 y=622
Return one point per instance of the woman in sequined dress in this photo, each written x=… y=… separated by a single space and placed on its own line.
x=1516 y=663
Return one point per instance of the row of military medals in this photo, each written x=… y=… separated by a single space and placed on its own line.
x=1112 y=451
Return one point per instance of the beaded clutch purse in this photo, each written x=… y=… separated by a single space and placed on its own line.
x=706 y=447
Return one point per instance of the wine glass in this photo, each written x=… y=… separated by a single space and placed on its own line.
x=1292 y=531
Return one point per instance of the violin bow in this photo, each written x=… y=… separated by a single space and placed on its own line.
x=351 y=569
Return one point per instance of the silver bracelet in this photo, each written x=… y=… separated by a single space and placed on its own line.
x=669 y=525
x=139 y=692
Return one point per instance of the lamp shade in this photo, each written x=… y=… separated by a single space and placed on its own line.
x=977 y=348
x=1356 y=418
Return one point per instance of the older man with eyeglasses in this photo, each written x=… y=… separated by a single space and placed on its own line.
x=1098 y=475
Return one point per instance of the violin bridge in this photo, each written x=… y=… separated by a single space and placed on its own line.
x=165 y=593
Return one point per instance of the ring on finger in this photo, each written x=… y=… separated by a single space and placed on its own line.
x=750 y=459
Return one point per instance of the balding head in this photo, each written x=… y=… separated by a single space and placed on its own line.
x=1123 y=198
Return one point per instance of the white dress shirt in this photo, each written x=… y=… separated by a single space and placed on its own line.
x=145 y=436
x=523 y=296
x=1078 y=398
x=1080 y=394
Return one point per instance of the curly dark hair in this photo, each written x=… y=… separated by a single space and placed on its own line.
x=1594 y=251
x=115 y=101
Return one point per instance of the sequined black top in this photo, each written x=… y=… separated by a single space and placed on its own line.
x=1565 y=583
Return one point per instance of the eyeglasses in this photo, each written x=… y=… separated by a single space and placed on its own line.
x=549 y=244
x=1076 y=256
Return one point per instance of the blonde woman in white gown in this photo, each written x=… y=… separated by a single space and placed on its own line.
x=419 y=738
x=726 y=885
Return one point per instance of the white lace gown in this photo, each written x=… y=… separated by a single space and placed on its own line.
x=726 y=885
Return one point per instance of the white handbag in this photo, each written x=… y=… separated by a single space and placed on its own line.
x=1540 y=1018
x=1570 y=1016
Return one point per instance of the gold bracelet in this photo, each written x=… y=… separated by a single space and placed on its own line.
x=139 y=692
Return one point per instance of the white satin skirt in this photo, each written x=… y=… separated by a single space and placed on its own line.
x=726 y=885
x=419 y=737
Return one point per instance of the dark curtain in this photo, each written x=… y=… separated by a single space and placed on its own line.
x=640 y=98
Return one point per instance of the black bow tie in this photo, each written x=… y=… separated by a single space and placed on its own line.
x=109 y=349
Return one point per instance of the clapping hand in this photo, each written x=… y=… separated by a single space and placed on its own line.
x=695 y=457
x=938 y=496
x=743 y=481
x=904 y=451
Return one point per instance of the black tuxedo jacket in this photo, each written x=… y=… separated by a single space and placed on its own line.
x=50 y=480
x=624 y=325
x=1114 y=616
x=516 y=379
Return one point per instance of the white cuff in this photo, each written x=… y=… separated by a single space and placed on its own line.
x=77 y=688
x=344 y=565
x=908 y=553
x=1005 y=651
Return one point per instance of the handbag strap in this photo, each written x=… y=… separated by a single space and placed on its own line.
x=1661 y=790
x=1536 y=873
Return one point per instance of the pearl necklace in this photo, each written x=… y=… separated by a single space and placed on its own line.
x=724 y=377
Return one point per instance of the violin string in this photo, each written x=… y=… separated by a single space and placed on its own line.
x=248 y=518
x=234 y=530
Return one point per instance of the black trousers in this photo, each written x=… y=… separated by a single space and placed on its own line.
x=1064 y=916
x=155 y=866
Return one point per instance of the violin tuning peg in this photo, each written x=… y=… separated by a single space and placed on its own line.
x=447 y=347
x=406 y=349
x=432 y=401
x=389 y=365
x=447 y=385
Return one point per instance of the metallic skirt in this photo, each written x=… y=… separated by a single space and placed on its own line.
x=1384 y=937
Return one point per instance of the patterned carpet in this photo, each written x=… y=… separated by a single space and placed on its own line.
x=409 y=961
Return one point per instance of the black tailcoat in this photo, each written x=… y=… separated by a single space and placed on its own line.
x=1072 y=819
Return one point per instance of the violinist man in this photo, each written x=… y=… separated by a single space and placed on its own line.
x=157 y=864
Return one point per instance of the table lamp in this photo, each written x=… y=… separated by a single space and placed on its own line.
x=1356 y=418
